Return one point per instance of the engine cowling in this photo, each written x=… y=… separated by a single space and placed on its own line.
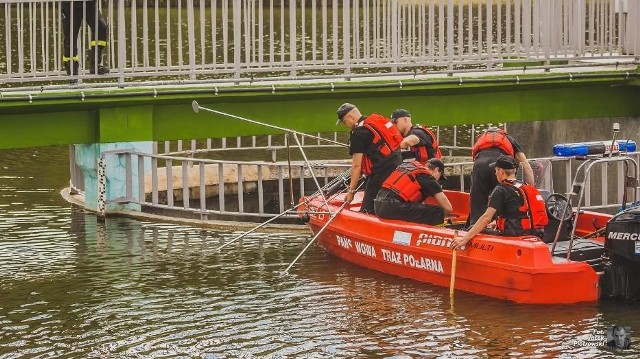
x=622 y=243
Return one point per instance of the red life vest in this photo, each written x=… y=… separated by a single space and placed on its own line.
x=533 y=209
x=493 y=138
x=404 y=183
x=421 y=151
x=386 y=139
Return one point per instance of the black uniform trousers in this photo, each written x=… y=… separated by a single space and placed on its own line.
x=388 y=205
x=375 y=180
x=483 y=181
x=73 y=12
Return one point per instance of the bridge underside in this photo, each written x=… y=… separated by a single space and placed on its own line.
x=122 y=115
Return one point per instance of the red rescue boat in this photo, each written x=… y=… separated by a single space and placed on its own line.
x=519 y=269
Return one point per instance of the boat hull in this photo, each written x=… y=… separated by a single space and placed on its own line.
x=519 y=269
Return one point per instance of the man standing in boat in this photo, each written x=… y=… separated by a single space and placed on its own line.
x=374 y=146
x=403 y=193
x=490 y=145
x=517 y=211
x=420 y=140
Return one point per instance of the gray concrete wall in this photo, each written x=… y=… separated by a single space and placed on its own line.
x=538 y=137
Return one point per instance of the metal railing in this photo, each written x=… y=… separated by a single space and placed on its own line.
x=190 y=187
x=249 y=40
x=185 y=152
x=222 y=188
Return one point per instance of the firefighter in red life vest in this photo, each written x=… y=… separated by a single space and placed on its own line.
x=403 y=193
x=420 y=140
x=518 y=208
x=374 y=146
x=490 y=145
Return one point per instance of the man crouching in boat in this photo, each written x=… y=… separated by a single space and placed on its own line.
x=403 y=193
x=519 y=207
x=374 y=145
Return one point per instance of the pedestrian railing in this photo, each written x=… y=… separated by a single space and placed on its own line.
x=190 y=41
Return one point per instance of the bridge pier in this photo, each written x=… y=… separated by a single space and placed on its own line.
x=116 y=187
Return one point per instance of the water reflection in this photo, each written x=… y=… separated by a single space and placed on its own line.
x=390 y=314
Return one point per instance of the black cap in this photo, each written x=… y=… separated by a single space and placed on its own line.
x=344 y=109
x=505 y=162
x=434 y=162
x=395 y=115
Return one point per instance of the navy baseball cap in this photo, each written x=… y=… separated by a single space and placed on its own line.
x=395 y=115
x=439 y=165
x=344 y=109
x=505 y=162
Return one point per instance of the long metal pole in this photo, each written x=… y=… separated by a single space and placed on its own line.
x=258 y=227
x=286 y=271
x=313 y=175
x=197 y=108
x=286 y=141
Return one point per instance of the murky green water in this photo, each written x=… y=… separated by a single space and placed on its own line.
x=71 y=286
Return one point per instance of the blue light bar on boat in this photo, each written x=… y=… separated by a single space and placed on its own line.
x=592 y=148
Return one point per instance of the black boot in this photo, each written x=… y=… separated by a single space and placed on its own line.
x=71 y=71
x=95 y=61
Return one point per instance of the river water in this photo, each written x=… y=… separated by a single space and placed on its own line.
x=71 y=286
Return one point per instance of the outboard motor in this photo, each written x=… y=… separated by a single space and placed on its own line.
x=621 y=276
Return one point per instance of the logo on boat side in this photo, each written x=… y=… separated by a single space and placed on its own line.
x=344 y=242
x=434 y=240
x=312 y=213
x=623 y=236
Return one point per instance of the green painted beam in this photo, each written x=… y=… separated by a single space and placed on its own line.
x=132 y=123
x=44 y=129
x=136 y=115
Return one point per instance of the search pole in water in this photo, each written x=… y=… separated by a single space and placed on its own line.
x=286 y=271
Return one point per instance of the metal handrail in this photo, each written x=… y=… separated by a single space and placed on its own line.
x=138 y=168
x=146 y=165
x=238 y=40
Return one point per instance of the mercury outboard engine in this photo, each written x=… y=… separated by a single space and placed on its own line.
x=621 y=276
